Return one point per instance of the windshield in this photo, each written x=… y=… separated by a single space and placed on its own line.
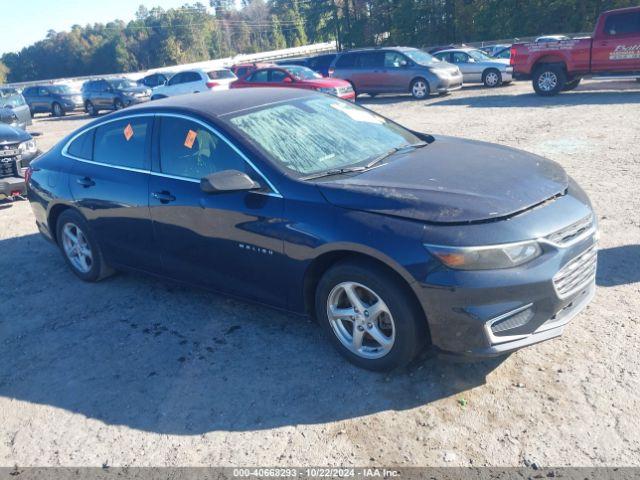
x=13 y=101
x=122 y=84
x=60 y=89
x=420 y=57
x=301 y=73
x=218 y=74
x=312 y=135
x=479 y=56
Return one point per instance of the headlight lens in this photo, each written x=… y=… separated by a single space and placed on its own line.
x=331 y=91
x=29 y=146
x=486 y=258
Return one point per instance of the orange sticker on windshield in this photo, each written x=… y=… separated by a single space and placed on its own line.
x=128 y=132
x=191 y=138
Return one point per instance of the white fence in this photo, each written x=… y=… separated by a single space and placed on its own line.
x=76 y=82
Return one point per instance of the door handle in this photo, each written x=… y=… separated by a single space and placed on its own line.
x=163 y=196
x=86 y=182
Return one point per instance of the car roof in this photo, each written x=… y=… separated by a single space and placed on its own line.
x=217 y=104
x=449 y=50
x=377 y=49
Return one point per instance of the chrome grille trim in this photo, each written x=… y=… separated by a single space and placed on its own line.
x=576 y=274
x=573 y=233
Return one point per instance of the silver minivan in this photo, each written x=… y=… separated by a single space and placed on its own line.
x=396 y=70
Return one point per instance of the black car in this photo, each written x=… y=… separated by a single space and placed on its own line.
x=55 y=99
x=154 y=80
x=112 y=94
x=17 y=149
x=321 y=63
x=391 y=238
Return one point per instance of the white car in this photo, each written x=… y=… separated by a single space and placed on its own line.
x=195 y=81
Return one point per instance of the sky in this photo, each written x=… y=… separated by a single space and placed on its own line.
x=27 y=21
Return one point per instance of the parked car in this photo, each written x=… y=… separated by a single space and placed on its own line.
x=112 y=94
x=243 y=69
x=504 y=54
x=390 y=238
x=295 y=76
x=195 y=81
x=478 y=67
x=154 y=80
x=613 y=50
x=17 y=149
x=302 y=62
x=321 y=63
x=396 y=70
x=551 y=38
x=14 y=110
x=55 y=99
x=491 y=50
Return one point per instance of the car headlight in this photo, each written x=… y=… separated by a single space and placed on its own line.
x=486 y=257
x=331 y=91
x=29 y=146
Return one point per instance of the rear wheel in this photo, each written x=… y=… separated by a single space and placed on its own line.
x=492 y=78
x=420 y=89
x=79 y=248
x=57 y=110
x=370 y=319
x=91 y=109
x=549 y=80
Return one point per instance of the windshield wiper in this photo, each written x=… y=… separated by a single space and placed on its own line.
x=371 y=164
x=393 y=151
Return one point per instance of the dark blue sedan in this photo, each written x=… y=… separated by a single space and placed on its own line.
x=391 y=239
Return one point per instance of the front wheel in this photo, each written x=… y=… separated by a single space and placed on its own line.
x=549 y=80
x=79 y=248
x=420 y=89
x=117 y=104
x=91 y=109
x=492 y=78
x=370 y=319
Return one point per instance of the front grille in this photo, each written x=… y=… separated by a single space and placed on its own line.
x=577 y=273
x=565 y=235
x=8 y=167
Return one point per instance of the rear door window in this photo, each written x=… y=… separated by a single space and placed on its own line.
x=82 y=147
x=189 y=150
x=123 y=143
x=623 y=24
x=371 y=60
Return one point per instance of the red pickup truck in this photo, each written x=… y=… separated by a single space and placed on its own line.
x=612 y=50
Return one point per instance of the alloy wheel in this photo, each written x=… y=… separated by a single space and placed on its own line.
x=419 y=89
x=492 y=79
x=77 y=248
x=361 y=320
x=547 y=81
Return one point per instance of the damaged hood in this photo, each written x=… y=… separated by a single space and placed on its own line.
x=451 y=181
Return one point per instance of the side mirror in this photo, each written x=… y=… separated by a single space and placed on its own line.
x=228 y=181
x=288 y=80
x=404 y=64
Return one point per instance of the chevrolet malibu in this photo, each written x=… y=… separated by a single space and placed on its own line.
x=392 y=239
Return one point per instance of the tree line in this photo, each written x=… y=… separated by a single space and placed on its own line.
x=158 y=37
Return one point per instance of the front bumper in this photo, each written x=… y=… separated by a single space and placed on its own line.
x=493 y=312
x=128 y=101
x=449 y=84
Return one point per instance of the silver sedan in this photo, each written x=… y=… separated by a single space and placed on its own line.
x=478 y=67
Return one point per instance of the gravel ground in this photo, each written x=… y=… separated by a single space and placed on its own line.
x=137 y=371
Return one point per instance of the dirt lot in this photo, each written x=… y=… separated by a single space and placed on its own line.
x=134 y=371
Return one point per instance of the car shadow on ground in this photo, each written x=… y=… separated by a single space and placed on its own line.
x=67 y=117
x=141 y=352
x=618 y=266
x=586 y=96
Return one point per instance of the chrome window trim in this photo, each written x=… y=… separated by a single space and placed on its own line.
x=65 y=150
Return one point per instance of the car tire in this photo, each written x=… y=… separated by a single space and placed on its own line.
x=355 y=92
x=549 y=80
x=83 y=256
x=572 y=85
x=420 y=89
x=91 y=109
x=117 y=104
x=492 y=78
x=57 y=110
x=398 y=319
x=373 y=95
